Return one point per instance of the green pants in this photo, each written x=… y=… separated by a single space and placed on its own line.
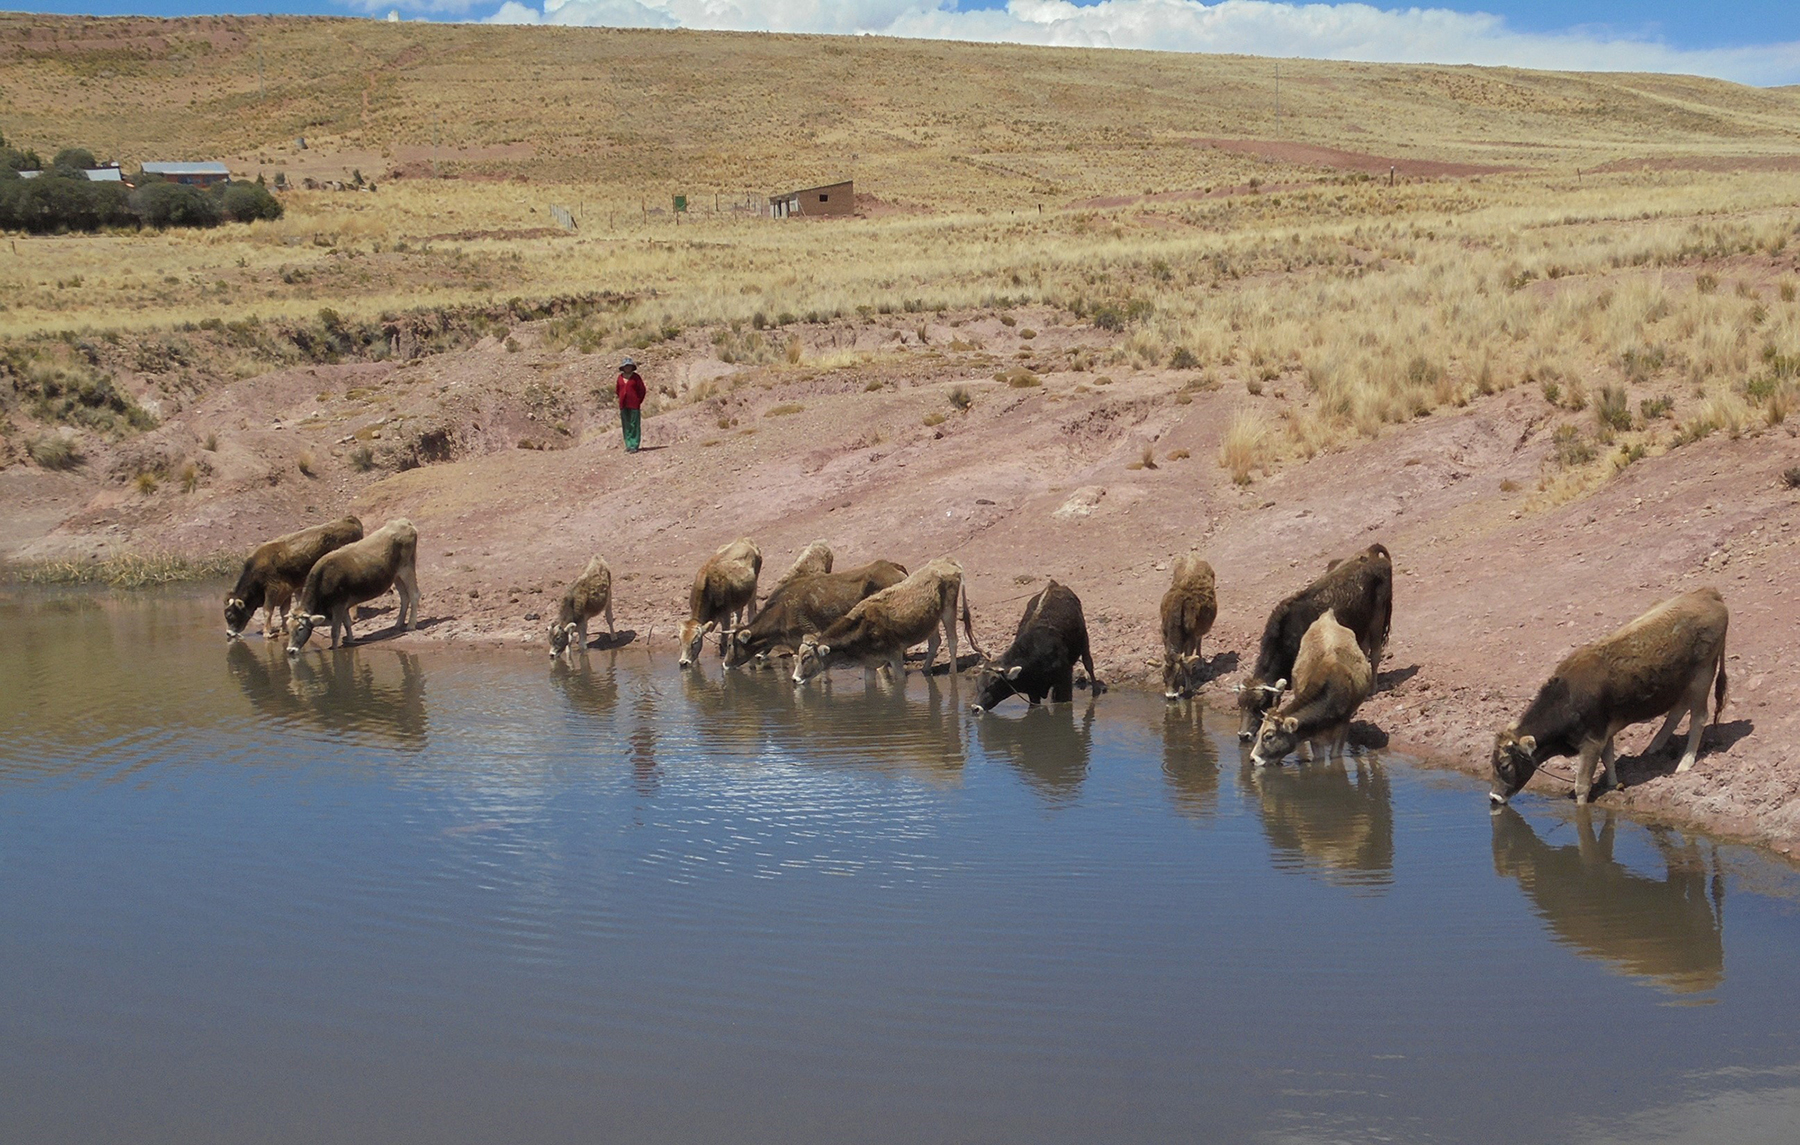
x=632 y=422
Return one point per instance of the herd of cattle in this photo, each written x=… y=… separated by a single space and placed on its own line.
x=1314 y=667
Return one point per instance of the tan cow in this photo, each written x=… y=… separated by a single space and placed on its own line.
x=588 y=597
x=1662 y=663
x=723 y=596
x=814 y=560
x=879 y=630
x=1188 y=611
x=275 y=570
x=345 y=578
x=1332 y=678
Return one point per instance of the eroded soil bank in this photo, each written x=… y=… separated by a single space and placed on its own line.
x=507 y=457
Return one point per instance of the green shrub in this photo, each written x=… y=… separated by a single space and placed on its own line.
x=1613 y=411
x=1570 y=447
x=164 y=205
x=247 y=202
x=54 y=451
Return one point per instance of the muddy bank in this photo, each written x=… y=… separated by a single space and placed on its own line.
x=507 y=458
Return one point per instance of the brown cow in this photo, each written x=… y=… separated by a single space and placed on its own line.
x=1188 y=611
x=1360 y=591
x=589 y=596
x=724 y=594
x=275 y=570
x=1332 y=677
x=358 y=572
x=880 y=629
x=805 y=606
x=1661 y=663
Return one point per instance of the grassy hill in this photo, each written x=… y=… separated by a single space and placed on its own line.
x=945 y=125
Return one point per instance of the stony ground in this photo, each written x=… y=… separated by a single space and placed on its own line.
x=509 y=463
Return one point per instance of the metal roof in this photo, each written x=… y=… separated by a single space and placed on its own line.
x=186 y=169
x=94 y=174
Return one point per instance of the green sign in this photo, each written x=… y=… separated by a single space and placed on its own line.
x=681 y=204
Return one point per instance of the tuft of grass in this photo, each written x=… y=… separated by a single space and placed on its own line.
x=1103 y=380
x=785 y=409
x=796 y=349
x=190 y=477
x=961 y=398
x=1653 y=408
x=307 y=463
x=1786 y=291
x=935 y=418
x=1552 y=392
x=362 y=459
x=1613 y=410
x=1790 y=478
x=1569 y=447
x=1706 y=283
x=146 y=482
x=129 y=570
x=1508 y=485
x=1253 y=387
x=54 y=451
x=211 y=444
x=1019 y=378
x=1179 y=455
x=1183 y=359
x=872 y=385
x=1248 y=445
x=1008 y=320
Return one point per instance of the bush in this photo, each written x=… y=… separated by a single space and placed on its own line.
x=74 y=159
x=247 y=202
x=54 y=451
x=1613 y=411
x=163 y=205
x=961 y=398
x=1570 y=447
x=59 y=202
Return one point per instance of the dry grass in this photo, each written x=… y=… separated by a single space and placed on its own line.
x=127 y=570
x=1248 y=445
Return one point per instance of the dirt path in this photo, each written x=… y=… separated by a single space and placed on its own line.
x=1027 y=484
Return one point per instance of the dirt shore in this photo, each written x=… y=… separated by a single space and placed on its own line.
x=509 y=462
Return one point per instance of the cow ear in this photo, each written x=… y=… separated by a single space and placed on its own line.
x=710 y=625
x=1280 y=687
x=316 y=621
x=824 y=650
x=1529 y=743
x=1012 y=673
x=742 y=636
x=1291 y=725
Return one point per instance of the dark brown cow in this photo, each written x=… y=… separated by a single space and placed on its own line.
x=1359 y=590
x=806 y=606
x=345 y=578
x=1188 y=611
x=1664 y=662
x=1052 y=635
x=275 y=570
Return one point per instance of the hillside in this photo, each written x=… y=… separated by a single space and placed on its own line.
x=632 y=113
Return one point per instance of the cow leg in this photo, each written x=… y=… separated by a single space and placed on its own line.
x=1304 y=749
x=612 y=633
x=1612 y=773
x=931 y=647
x=950 y=636
x=1584 y=769
x=1063 y=691
x=581 y=635
x=1696 y=726
x=1661 y=738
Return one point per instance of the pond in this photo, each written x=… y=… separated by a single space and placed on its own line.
x=427 y=895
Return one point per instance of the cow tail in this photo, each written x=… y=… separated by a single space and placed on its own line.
x=1719 y=686
x=968 y=621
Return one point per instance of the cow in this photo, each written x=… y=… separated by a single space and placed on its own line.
x=807 y=605
x=1188 y=611
x=589 y=596
x=814 y=560
x=724 y=593
x=879 y=630
x=1661 y=663
x=1332 y=677
x=1052 y=635
x=275 y=570
x=358 y=572
x=1359 y=590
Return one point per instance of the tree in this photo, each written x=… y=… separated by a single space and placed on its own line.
x=174 y=205
x=246 y=202
x=74 y=159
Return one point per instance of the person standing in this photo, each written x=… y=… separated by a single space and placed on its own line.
x=631 y=404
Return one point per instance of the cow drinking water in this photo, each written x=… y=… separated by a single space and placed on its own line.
x=358 y=572
x=806 y=606
x=879 y=630
x=724 y=594
x=1662 y=663
x=1052 y=635
x=1188 y=611
x=275 y=570
x=588 y=597
x=1332 y=677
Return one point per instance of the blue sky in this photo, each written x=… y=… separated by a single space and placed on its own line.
x=1755 y=41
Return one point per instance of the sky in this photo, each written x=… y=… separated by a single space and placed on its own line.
x=1751 y=41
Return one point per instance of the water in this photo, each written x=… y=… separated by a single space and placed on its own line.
x=440 y=897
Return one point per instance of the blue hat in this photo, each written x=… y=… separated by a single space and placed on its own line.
x=627 y=364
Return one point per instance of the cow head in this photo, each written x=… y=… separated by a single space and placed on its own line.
x=302 y=631
x=1515 y=762
x=1276 y=734
x=810 y=660
x=737 y=649
x=1181 y=675
x=237 y=617
x=996 y=685
x=562 y=637
x=1253 y=699
x=691 y=635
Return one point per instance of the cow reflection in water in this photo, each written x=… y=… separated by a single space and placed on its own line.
x=1190 y=761
x=885 y=730
x=1666 y=930
x=1335 y=819
x=1047 y=745
x=368 y=690
x=591 y=691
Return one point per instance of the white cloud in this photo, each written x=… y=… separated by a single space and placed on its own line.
x=1259 y=27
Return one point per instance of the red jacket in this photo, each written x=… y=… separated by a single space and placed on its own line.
x=631 y=391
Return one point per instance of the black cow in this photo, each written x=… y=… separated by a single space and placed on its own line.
x=1052 y=635
x=1360 y=590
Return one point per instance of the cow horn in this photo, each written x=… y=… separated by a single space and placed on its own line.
x=1012 y=673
